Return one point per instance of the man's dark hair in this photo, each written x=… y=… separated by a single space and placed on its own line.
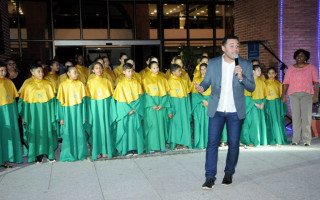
x=306 y=53
x=228 y=37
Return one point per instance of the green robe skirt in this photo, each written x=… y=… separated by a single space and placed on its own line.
x=156 y=123
x=129 y=134
x=275 y=113
x=179 y=125
x=39 y=128
x=73 y=132
x=10 y=144
x=101 y=136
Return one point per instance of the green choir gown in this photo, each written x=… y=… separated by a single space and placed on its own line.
x=10 y=145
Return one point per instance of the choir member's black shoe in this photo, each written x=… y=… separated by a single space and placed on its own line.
x=208 y=185
x=227 y=180
x=39 y=159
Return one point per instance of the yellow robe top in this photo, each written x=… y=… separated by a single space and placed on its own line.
x=155 y=85
x=178 y=87
x=38 y=91
x=110 y=74
x=127 y=90
x=145 y=70
x=25 y=82
x=199 y=80
x=53 y=78
x=148 y=73
x=104 y=75
x=8 y=91
x=117 y=71
x=71 y=92
x=84 y=73
x=135 y=76
x=196 y=73
x=184 y=75
x=99 y=87
x=259 y=92
x=273 y=89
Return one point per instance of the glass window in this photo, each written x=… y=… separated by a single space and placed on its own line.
x=141 y=52
x=35 y=20
x=121 y=20
x=146 y=21
x=66 y=19
x=36 y=50
x=13 y=20
x=94 y=19
x=200 y=16
x=224 y=20
x=174 y=21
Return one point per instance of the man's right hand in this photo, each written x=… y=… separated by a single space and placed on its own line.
x=198 y=88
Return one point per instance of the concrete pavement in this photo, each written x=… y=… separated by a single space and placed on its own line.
x=270 y=172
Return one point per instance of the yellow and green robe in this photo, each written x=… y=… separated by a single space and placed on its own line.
x=103 y=109
x=37 y=107
x=129 y=136
x=104 y=75
x=155 y=121
x=10 y=144
x=201 y=120
x=179 y=125
x=72 y=107
x=110 y=74
x=254 y=130
x=275 y=111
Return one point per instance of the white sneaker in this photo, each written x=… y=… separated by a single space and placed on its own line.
x=52 y=161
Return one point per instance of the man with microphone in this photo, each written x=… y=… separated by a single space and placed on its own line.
x=228 y=76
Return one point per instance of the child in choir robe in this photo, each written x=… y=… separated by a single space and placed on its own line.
x=197 y=73
x=130 y=111
x=107 y=68
x=64 y=76
x=73 y=114
x=104 y=73
x=37 y=109
x=275 y=110
x=83 y=72
x=10 y=145
x=180 y=110
x=254 y=130
x=199 y=111
x=156 y=109
x=118 y=70
x=135 y=75
x=184 y=75
x=53 y=76
x=103 y=110
x=146 y=71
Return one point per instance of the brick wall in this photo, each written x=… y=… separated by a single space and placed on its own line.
x=5 y=34
x=300 y=29
x=258 y=20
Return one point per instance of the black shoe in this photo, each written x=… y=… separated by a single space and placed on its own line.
x=306 y=144
x=294 y=143
x=208 y=185
x=227 y=180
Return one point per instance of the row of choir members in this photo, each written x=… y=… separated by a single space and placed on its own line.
x=78 y=114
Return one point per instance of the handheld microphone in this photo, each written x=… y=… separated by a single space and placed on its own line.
x=236 y=61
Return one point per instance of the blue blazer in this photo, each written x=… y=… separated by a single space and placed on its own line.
x=213 y=77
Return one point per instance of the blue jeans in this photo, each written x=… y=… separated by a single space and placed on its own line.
x=216 y=125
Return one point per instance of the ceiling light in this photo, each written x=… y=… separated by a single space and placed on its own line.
x=202 y=11
x=174 y=9
x=170 y=11
x=198 y=13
